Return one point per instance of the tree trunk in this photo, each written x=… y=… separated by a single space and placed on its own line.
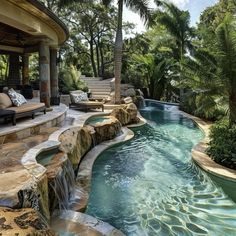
x=118 y=52
x=102 y=72
x=92 y=58
x=98 y=58
x=232 y=107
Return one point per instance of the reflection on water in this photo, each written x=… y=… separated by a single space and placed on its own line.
x=149 y=186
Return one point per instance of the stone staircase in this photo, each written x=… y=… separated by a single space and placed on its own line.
x=99 y=88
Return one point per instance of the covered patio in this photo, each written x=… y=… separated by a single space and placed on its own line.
x=27 y=27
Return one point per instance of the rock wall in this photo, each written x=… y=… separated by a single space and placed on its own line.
x=107 y=129
x=128 y=114
x=22 y=222
x=75 y=142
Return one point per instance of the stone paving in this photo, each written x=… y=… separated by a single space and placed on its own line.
x=15 y=176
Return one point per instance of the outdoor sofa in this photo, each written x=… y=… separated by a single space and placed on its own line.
x=24 y=110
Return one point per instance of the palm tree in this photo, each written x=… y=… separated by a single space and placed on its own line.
x=177 y=22
x=139 y=6
x=206 y=94
x=226 y=54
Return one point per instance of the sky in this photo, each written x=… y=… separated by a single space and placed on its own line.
x=195 y=8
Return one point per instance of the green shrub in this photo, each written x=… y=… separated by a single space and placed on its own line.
x=69 y=80
x=222 y=146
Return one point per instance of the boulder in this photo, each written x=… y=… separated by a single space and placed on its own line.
x=106 y=130
x=130 y=92
x=128 y=100
x=139 y=93
x=122 y=115
x=133 y=111
x=25 y=188
x=21 y=222
x=75 y=142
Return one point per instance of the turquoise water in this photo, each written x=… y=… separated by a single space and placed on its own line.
x=149 y=186
x=96 y=119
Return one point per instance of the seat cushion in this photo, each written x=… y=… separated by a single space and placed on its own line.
x=5 y=101
x=90 y=103
x=27 y=107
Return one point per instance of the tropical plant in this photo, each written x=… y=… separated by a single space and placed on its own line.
x=205 y=93
x=69 y=80
x=222 y=147
x=226 y=55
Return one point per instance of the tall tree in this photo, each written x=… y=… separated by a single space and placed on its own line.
x=139 y=6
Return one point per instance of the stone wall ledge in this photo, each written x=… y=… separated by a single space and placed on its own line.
x=90 y=222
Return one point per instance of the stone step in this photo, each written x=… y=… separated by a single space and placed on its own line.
x=99 y=85
x=100 y=93
x=100 y=89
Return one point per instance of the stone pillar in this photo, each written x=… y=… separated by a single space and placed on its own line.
x=44 y=73
x=25 y=69
x=55 y=100
x=14 y=76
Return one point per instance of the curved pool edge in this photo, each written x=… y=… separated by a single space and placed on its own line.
x=84 y=175
x=200 y=157
x=90 y=222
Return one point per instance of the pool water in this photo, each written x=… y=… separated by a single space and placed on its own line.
x=97 y=119
x=149 y=186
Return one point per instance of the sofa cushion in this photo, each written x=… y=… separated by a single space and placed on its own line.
x=27 y=107
x=5 y=101
x=16 y=98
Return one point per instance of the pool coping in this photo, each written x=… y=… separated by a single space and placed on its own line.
x=200 y=157
x=89 y=221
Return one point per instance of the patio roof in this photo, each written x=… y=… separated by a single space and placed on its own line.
x=24 y=23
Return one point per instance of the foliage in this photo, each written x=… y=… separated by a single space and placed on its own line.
x=69 y=80
x=222 y=145
x=205 y=94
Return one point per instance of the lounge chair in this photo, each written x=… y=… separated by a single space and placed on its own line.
x=85 y=103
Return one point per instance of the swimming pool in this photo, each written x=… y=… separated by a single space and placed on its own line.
x=149 y=186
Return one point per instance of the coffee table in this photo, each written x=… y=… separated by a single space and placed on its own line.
x=7 y=114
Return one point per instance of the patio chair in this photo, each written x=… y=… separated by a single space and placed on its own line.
x=80 y=100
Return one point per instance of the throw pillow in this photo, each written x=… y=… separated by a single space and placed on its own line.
x=16 y=98
x=5 y=101
x=76 y=98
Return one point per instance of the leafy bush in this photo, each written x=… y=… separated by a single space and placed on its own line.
x=69 y=80
x=222 y=146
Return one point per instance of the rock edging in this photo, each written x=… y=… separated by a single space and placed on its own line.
x=200 y=157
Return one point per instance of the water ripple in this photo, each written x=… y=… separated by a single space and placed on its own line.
x=149 y=185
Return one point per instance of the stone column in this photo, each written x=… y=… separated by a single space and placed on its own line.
x=44 y=72
x=25 y=69
x=54 y=76
x=14 y=76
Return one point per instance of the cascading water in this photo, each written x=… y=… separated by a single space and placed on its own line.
x=63 y=185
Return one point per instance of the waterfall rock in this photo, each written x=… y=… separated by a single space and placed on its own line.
x=25 y=221
x=75 y=142
x=133 y=112
x=106 y=130
x=130 y=92
x=25 y=188
x=122 y=115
